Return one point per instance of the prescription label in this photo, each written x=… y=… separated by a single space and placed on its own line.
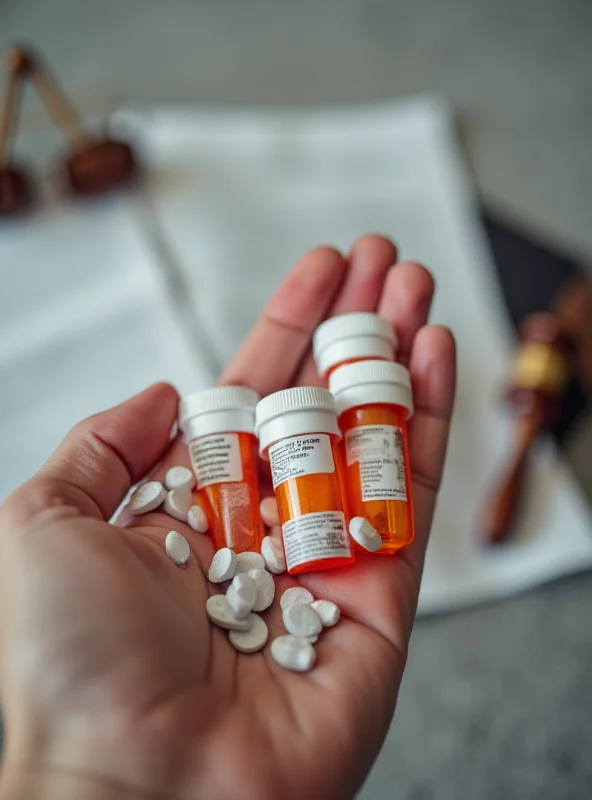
x=216 y=459
x=379 y=451
x=300 y=455
x=313 y=537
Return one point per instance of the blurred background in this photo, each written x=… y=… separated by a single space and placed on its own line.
x=495 y=701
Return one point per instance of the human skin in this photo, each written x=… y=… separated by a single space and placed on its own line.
x=113 y=682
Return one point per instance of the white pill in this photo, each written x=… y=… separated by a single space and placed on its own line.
x=220 y=613
x=295 y=594
x=252 y=640
x=327 y=611
x=241 y=595
x=364 y=534
x=301 y=620
x=177 y=503
x=273 y=554
x=293 y=652
x=177 y=548
x=268 y=508
x=196 y=519
x=146 y=498
x=179 y=478
x=265 y=588
x=223 y=566
x=312 y=639
x=248 y=560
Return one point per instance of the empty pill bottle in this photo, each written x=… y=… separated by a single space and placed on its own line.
x=298 y=435
x=218 y=425
x=374 y=401
x=348 y=338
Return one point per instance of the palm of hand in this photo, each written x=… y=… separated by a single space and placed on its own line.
x=118 y=645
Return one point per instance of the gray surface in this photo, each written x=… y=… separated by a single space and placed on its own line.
x=495 y=702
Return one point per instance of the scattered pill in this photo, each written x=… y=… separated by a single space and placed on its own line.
x=312 y=639
x=265 y=588
x=146 y=498
x=223 y=566
x=177 y=548
x=251 y=640
x=177 y=503
x=268 y=509
x=364 y=534
x=220 y=613
x=327 y=611
x=196 y=519
x=273 y=554
x=295 y=594
x=301 y=620
x=179 y=478
x=248 y=560
x=293 y=652
x=241 y=595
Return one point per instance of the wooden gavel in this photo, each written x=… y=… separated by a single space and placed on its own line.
x=541 y=371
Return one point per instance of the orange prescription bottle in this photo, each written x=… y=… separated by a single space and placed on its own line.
x=374 y=401
x=219 y=427
x=352 y=337
x=298 y=434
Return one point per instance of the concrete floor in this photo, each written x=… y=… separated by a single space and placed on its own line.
x=495 y=702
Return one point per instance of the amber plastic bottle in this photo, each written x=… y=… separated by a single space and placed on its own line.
x=299 y=435
x=348 y=338
x=219 y=428
x=375 y=403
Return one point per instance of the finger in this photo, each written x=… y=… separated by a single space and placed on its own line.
x=369 y=261
x=268 y=358
x=104 y=455
x=405 y=303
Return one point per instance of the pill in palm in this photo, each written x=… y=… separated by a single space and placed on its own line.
x=196 y=519
x=179 y=478
x=327 y=611
x=293 y=652
x=252 y=640
x=241 y=594
x=223 y=566
x=295 y=594
x=364 y=534
x=248 y=560
x=265 y=588
x=273 y=554
x=146 y=498
x=301 y=620
x=220 y=613
x=177 y=503
x=268 y=509
x=177 y=548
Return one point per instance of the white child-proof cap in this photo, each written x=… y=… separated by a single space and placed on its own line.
x=222 y=409
x=349 y=336
x=292 y=412
x=368 y=382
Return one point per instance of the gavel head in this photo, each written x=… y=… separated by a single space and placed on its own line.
x=16 y=194
x=100 y=166
x=20 y=60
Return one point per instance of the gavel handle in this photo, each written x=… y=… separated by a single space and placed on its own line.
x=501 y=509
x=58 y=106
x=8 y=114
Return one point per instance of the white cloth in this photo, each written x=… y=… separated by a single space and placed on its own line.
x=236 y=197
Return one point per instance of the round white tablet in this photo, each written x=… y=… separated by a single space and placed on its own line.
x=301 y=620
x=177 y=503
x=179 y=478
x=177 y=548
x=364 y=534
x=252 y=640
x=327 y=611
x=146 y=498
x=223 y=566
x=241 y=594
x=273 y=553
x=293 y=652
x=295 y=594
x=196 y=519
x=220 y=613
x=268 y=508
x=265 y=588
x=249 y=560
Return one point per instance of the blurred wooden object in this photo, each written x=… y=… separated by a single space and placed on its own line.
x=541 y=372
x=573 y=307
